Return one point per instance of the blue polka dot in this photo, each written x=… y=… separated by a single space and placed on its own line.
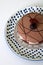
x=25 y=10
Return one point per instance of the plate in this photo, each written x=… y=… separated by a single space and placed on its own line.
x=33 y=52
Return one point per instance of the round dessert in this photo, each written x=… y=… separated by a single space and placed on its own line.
x=30 y=28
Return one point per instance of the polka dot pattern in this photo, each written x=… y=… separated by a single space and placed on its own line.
x=34 y=53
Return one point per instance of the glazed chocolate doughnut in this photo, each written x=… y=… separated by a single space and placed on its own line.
x=30 y=28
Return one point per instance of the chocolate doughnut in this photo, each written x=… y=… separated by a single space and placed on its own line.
x=30 y=28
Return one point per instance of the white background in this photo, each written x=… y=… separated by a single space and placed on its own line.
x=7 y=8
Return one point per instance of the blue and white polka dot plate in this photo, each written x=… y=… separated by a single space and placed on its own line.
x=33 y=52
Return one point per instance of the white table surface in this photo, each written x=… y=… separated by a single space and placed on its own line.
x=7 y=8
